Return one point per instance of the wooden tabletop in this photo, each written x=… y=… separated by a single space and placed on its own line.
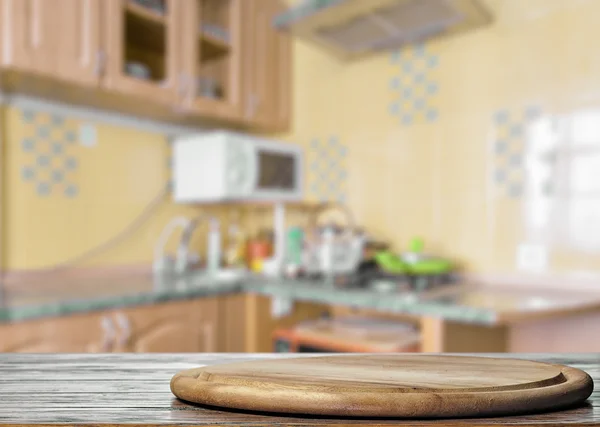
x=119 y=389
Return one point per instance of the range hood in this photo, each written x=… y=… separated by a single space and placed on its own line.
x=353 y=28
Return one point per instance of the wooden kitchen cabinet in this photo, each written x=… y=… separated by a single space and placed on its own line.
x=29 y=34
x=234 y=324
x=85 y=333
x=176 y=327
x=187 y=60
x=263 y=324
x=79 y=50
x=58 y=39
x=212 y=59
x=142 y=50
x=268 y=66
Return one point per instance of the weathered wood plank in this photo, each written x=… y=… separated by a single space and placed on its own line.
x=127 y=389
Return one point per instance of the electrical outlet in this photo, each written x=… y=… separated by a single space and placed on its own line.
x=532 y=257
x=87 y=135
x=281 y=307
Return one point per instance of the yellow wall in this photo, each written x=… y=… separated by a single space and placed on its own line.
x=426 y=178
x=106 y=186
x=434 y=179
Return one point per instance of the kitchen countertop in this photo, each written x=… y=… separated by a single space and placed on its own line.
x=56 y=297
x=133 y=389
x=461 y=302
x=465 y=303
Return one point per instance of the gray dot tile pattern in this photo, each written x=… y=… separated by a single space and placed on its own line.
x=71 y=163
x=57 y=148
x=71 y=191
x=57 y=176
x=43 y=160
x=43 y=189
x=27 y=173
x=509 y=147
x=328 y=172
x=50 y=148
x=414 y=86
x=28 y=144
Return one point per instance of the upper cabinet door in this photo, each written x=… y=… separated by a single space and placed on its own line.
x=80 y=54
x=268 y=64
x=141 y=48
x=212 y=60
x=29 y=35
x=284 y=72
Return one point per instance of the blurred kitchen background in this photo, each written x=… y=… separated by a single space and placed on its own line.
x=299 y=176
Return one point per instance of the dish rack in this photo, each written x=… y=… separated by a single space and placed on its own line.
x=350 y=334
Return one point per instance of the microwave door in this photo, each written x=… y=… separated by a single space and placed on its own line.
x=277 y=172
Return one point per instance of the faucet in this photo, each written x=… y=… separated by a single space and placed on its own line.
x=182 y=262
x=164 y=263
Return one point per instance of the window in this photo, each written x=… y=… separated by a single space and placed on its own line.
x=562 y=206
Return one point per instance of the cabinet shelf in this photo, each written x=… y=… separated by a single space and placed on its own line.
x=212 y=47
x=145 y=29
x=145 y=13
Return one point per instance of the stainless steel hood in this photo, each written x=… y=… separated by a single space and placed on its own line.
x=354 y=28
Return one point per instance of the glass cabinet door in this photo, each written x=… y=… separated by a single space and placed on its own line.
x=142 y=47
x=212 y=57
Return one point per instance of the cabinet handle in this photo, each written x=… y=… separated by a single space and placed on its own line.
x=208 y=338
x=253 y=102
x=191 y=89
x=183 y=82
x=109 y=334
x=100 y=66
x=186 y=88
x=125 y=325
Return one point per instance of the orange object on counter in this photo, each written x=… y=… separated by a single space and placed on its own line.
x=259 y=249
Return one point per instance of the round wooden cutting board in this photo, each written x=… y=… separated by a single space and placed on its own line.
x=421 y=386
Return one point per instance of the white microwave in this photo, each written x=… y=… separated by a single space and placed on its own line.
x=226 y=166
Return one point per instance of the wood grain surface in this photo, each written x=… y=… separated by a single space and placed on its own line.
x=128 y=389
x=391 y=385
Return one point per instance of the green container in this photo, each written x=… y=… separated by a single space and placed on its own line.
x=431 y=267
x=390 y=262
x=294 y=246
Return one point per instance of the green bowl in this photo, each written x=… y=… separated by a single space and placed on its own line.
x=391 y=263
x=430 y=267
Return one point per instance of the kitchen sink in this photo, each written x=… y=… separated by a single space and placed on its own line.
x=225 y=276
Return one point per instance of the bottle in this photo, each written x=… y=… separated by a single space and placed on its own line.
x=213 y=257
x=234 y=256
x=294 y=251
x=259 y=249
x=327 y=251
x=295 y=239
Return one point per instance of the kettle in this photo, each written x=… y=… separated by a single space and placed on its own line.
x=334 y=250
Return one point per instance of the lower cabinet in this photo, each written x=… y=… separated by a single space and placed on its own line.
x=87 y=333
x=179 y=327
x=236 y=324
x=265 y=324
x=172 y=327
